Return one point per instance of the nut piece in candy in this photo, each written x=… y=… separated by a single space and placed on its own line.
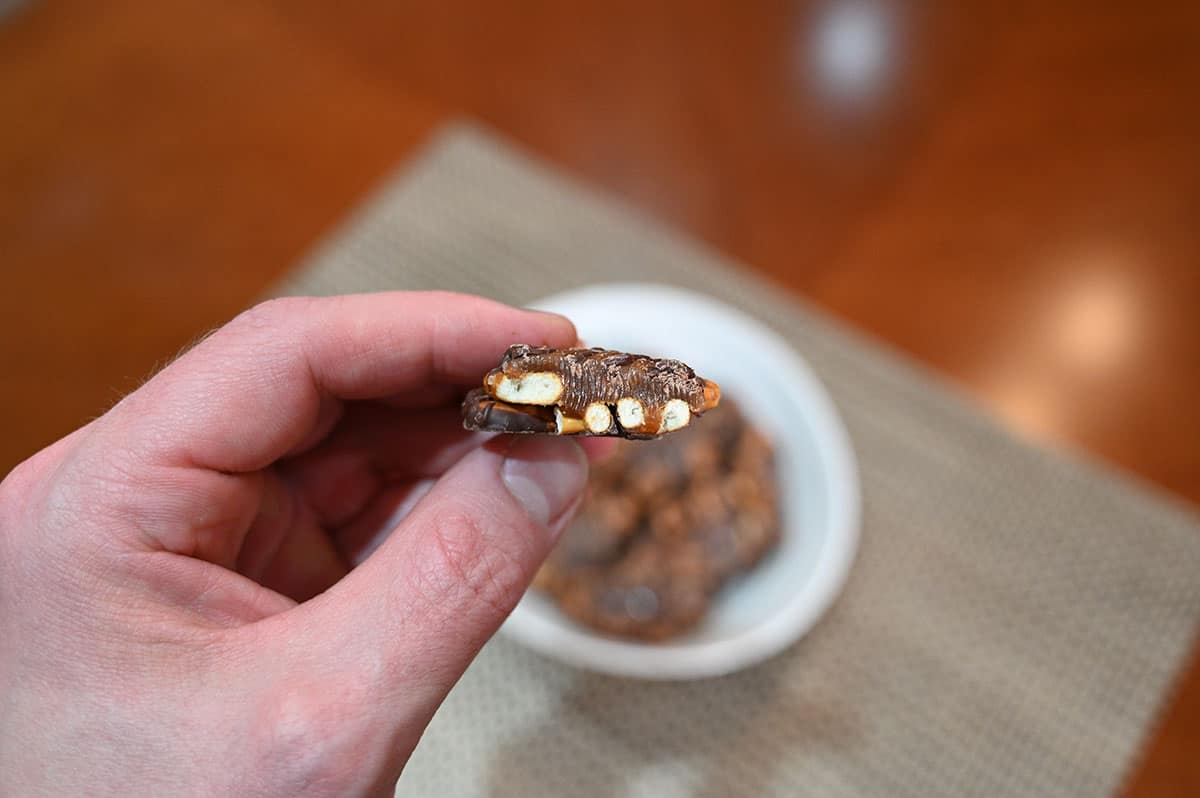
x=589 y=392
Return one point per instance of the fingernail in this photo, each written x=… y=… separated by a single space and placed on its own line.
x=546 y=475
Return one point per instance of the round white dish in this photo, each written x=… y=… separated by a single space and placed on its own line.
x=766 y=610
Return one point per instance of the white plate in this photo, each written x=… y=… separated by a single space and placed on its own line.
x=765 y=611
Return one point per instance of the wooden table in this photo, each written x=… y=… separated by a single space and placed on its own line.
x=1008 y=191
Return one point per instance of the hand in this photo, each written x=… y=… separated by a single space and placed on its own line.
x=187 y=604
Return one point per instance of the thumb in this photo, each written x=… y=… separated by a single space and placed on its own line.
x=404 y=625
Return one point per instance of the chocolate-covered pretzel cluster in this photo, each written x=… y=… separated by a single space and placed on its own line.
x=588 y=392
x=667 y=523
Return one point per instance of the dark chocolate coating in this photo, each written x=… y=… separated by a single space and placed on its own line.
x=484 y=414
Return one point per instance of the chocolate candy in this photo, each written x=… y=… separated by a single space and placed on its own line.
x=667 y=524
x=588 y=392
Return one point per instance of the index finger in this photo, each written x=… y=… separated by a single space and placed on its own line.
x=251 y=392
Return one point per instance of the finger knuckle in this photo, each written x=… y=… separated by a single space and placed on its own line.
x=272 y=312
x=468 y=567
x=304 y=740
x=16 y=484
x=451 y=297
x=13 y=489
x=18 y=489
x=460 y=304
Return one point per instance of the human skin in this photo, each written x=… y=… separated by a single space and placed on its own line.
x=261 y=572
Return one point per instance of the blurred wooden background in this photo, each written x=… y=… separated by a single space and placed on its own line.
x=1008 y=191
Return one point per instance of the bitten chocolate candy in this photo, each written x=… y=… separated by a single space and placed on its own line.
x=588 y=392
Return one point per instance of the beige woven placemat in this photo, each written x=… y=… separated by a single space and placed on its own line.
x=1010 y=626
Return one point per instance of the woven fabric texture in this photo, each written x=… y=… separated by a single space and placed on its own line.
x=1010 y=627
